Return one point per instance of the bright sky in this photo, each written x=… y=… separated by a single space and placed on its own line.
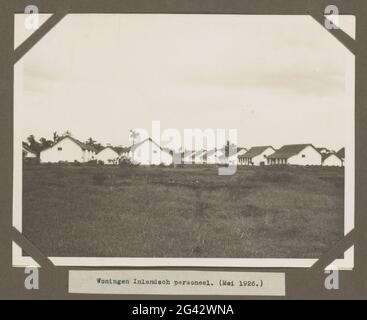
x=276 y=79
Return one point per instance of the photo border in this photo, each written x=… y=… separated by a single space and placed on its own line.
x=347 y=263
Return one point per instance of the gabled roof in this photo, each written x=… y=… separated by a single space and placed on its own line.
x=187 y=153
x=79 y=143
x=135 y=146
x=109 y=147
x=341 y=153
x=255 y=151
x=324 y=156
x=290 y=150
x=200 y=153
x=243 y=150
x=211 y=152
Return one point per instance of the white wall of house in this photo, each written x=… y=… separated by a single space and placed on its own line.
x=221 y=157
x=308 y=156
x=212 y=157
x=149 y=153
x=200 y=157
x=66 y=150
x=108 y=156
x=332 y=160
x=261 y=159
x=188 y=158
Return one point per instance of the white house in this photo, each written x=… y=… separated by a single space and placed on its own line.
x=241 y=151
x=221 y=156
x=188 y=157
x=296 y=154
x=28 y=153
x=331 y=160
x=68 y=149
x=123 y=151
x=256 y=156
x=108 y=155
x=148 y=152
x=224 y=157
x=198 y=157
x=231 y=159
x=236 y=157
x=211 y=156
x=205 y=157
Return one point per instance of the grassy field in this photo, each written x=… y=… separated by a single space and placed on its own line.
x=272 y=212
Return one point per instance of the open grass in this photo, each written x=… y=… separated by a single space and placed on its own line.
x=260 y=212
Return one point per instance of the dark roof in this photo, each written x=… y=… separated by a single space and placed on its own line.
x=290 y=150
x=324 y=156
x=98 y=148
x=341 y=153
x=27 y=148
x=79 y=143
x=119 y=150
x=135 y=146
x=109 y=147
x=255 y=151
x=126 y=149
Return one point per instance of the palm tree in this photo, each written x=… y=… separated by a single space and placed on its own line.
x=33 y=144
x=44 y=143
x=134 y=135
x=31 y=139
x=56 y=137
x=90 y=142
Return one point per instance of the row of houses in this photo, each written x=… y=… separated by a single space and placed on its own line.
x=70 y=149
x=296 y=154
x=148 y=152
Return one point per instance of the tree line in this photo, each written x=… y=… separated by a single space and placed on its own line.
x=37 y=145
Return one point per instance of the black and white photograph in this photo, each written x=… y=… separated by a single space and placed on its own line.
x=184 y=140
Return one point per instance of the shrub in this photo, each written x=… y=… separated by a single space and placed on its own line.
x=124 y=162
